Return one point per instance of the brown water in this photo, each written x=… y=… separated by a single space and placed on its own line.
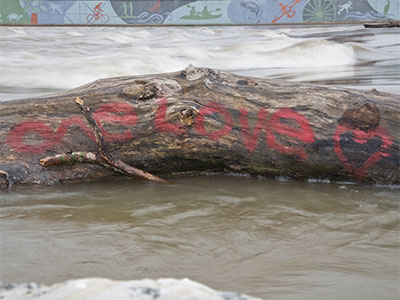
x=268 y=238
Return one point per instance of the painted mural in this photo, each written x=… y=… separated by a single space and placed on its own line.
x=180 y=12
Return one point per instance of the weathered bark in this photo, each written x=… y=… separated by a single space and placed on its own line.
x=202 y=120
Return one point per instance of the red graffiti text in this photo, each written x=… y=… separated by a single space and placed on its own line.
x=117 y=112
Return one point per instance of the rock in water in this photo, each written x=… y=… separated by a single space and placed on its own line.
x=106 y=289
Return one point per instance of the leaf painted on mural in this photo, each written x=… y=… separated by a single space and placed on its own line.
x=387 y=7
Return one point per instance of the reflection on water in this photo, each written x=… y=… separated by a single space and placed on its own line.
x=272 y=239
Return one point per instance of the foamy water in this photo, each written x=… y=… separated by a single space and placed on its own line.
x=34 y=61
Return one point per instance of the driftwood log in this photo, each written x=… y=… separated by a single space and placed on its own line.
x=202 y=120
x=385 y=24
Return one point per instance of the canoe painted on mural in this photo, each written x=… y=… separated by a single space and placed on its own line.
x=180 y=12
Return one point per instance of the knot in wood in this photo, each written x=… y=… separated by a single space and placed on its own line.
x=141 y=90
x=188 y=116
x=4 y=180
x=246 y=81
x=366 y=118
x=155 y=88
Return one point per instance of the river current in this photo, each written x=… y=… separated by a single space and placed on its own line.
x=271 y=238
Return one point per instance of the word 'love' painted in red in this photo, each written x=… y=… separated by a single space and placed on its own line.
x=280 y=127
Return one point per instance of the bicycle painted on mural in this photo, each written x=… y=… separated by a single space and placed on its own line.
x=98 y=15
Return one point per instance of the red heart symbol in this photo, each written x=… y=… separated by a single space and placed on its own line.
x=362 y=137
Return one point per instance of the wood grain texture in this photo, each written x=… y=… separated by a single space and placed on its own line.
x=203 y=120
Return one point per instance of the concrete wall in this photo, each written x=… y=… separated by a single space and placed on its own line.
x=195 y=12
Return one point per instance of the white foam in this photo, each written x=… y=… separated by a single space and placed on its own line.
x=105 y=289
x=55 y=58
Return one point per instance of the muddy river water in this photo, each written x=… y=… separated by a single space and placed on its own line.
x=271 y=238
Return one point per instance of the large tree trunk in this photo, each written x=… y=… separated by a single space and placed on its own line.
x=202 y=120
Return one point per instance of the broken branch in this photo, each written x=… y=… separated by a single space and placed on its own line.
x=110 y=160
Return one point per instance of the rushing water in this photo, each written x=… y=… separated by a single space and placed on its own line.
x=275 y=239
x=34 y=61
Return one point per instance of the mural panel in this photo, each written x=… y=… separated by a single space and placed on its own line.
x=91 y=13
x=202 y=12
x=388 y=8
x=145 y=11
x=248 y=11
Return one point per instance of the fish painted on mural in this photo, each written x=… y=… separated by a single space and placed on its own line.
x=248 y=11
x=252 y=13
